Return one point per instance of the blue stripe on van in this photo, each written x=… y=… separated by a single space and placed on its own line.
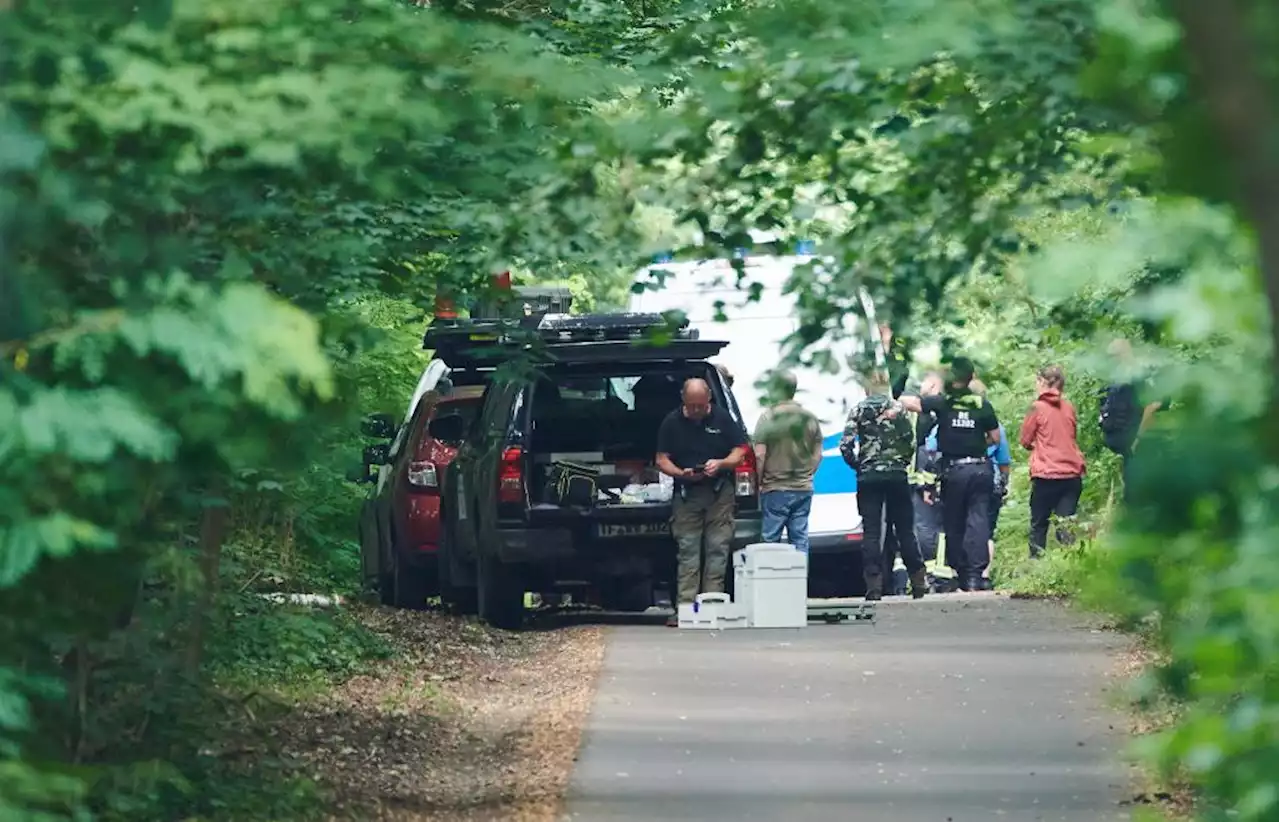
x=833 y=476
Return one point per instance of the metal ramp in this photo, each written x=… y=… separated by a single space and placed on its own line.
x=835 y=612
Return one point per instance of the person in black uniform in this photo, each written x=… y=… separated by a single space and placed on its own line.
x=966 y=425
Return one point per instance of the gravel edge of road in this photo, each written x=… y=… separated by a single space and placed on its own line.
x=465 y=724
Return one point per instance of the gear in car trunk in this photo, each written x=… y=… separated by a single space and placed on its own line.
x=602 y=425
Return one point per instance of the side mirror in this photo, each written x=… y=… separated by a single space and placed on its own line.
x=450 y=428
x=359 y=474
x=377 y=455
x=379 y=426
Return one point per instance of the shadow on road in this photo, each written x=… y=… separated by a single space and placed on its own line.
x=552 y=619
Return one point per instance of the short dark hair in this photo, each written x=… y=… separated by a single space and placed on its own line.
x=961 y=370
x=785 y=384
x=1053 y=376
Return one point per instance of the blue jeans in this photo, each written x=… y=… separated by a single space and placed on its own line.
x=786 y=509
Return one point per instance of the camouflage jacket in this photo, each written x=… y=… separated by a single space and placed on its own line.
x=875 y=444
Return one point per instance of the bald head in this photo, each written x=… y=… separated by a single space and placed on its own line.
x=695 y=390
x=1121 y=349
x=695 y=397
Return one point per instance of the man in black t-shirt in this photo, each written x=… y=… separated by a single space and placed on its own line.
x=699 y=445
x=966 y=425
x=1125 y=410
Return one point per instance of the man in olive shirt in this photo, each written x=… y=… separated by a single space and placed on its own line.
x=788 y=446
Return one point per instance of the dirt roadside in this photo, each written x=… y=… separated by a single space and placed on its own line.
x=1174 y=799
x=469 y=724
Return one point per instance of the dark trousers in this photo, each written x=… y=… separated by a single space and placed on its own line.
x=1049 y=497
x=928 y=525
x=891 y=550
x=966 y=513
x=884 y=504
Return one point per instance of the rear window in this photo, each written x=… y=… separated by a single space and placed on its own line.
x=586 y=393
x=467 y=408
x=602 y=410
x=603 y=390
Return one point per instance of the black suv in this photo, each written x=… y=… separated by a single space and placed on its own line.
x=593 y=396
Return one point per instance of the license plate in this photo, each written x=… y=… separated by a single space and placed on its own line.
x=609 y=530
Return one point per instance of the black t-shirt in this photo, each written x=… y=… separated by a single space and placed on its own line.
x=925 y=422
x=690 y=444
x=964 y=419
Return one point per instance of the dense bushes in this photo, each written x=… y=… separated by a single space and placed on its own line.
x=211 y=214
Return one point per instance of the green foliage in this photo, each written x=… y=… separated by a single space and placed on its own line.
x=260 y=645
x=223 y=223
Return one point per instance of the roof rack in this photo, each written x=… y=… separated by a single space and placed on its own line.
x=497 y=339
x=524 y=301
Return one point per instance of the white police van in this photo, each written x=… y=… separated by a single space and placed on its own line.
x=755 y=331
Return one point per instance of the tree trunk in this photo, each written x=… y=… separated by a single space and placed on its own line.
x=213 y=530
x=1229 y=69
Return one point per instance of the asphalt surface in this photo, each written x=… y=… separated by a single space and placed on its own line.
x=959 y=708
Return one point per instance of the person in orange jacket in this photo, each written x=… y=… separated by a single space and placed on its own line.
x=1057 y=464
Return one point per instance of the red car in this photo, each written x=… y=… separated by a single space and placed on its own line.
x=400 y=521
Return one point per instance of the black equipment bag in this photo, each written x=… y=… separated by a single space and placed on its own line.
x=572 y=484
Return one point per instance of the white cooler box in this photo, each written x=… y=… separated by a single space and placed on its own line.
x=711 y=612
x=771 y=585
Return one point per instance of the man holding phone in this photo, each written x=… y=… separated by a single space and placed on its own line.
x=699 y=445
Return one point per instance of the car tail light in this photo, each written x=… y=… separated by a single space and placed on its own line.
x=744 y=476
x=423 y=474
x=511 y=476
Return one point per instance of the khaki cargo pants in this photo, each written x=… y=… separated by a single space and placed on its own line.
x=703 y=516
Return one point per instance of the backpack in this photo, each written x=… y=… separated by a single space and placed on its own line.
x=1118 y=417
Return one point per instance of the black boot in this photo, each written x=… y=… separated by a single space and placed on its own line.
x=919 y=584
x=875 y=588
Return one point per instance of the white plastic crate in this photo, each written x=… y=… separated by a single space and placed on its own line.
x=771 y=585
x=711 y=612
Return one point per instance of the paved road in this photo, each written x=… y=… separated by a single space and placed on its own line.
x=947 y=709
